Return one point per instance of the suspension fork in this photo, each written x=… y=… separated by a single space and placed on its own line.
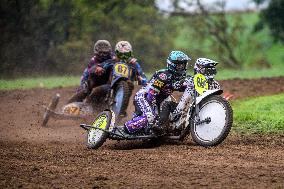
x=196 y=112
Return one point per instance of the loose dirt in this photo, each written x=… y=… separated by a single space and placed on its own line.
x=56 y=156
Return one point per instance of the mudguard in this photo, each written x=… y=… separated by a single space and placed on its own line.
x=112 y=123
x=208 y=93
x=116 y=80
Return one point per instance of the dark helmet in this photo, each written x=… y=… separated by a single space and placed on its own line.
x=102 y=49
x=177 y=63
x=206 y=67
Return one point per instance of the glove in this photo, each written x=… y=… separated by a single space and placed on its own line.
x=142 y=80
x=99 y=70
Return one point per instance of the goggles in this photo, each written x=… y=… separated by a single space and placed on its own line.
x=123 y=56
x=209 y=71
x=103 y=53
x=180 y=65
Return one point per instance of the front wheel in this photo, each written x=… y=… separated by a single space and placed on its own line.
x=216 y=118
x=98 y=135
x=121 y=98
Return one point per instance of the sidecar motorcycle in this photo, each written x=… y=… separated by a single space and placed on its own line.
x=117 y=94
x=208 y=117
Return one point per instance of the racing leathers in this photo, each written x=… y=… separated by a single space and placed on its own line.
x=90 y=78
x=134 y=65
x=148 y=99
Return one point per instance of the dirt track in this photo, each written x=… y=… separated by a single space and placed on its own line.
x=56 y=156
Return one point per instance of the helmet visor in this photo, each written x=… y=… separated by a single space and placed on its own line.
x=103 y=53
x=123 y=56
x=180 y=65
x=210 y=71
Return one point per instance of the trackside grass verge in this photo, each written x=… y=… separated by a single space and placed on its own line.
x=259 y=115
x=250 y=73
x=40 y=82
x=67 y=81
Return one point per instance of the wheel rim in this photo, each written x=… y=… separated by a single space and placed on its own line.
x=116 y=107
x=96 y=134
x=214 y=129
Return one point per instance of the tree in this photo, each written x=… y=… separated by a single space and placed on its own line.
x=224 y=33
x=273 y=16
x=57 y=36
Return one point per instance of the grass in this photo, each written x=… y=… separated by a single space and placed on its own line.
x=259 y=115
x=40 y=82
x=252 y=73
x=66 y=81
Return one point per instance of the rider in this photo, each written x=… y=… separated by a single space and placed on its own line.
x=94 y=74
x=123 y=52
x=162 y=84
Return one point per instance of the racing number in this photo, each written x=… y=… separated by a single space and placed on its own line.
x=100 y=122
x=121 y=69
x=73 y=110
x=200 y=83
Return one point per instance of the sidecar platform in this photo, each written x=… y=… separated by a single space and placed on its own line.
x=118 y=133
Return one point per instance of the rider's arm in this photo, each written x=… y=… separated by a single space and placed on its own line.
x=155 y=86
x=214 y=85
x=181 y=84
x=140 y=73
x=108 y=64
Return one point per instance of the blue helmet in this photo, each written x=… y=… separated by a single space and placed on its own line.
x=177 y=63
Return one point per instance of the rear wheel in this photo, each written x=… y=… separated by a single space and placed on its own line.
x=50 y=107
x=122 y=94
x=219 y=115
x=97 y=136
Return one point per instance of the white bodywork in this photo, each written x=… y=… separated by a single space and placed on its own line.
x=185 y=104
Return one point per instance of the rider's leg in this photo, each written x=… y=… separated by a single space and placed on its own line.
x=146 y=116
x=79 y=96
x=82 y=91
x=97 y=92
x=166 y=108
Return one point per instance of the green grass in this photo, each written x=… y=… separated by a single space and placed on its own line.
x=250 y=73
x=259 y=115
x=66 y=81
x=40 y=82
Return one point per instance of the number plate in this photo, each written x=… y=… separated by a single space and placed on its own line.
x=121 y=69
x=200 y=83
x=72 y=110
x=100 y=122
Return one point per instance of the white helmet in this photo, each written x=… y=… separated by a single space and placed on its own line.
x=123 y=50
x=206 y=67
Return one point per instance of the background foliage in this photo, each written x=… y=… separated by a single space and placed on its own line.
x=57 y=36
x=40 y=37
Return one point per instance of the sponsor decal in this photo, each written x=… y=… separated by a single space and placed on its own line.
x=158 y=83
x=163 y=76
